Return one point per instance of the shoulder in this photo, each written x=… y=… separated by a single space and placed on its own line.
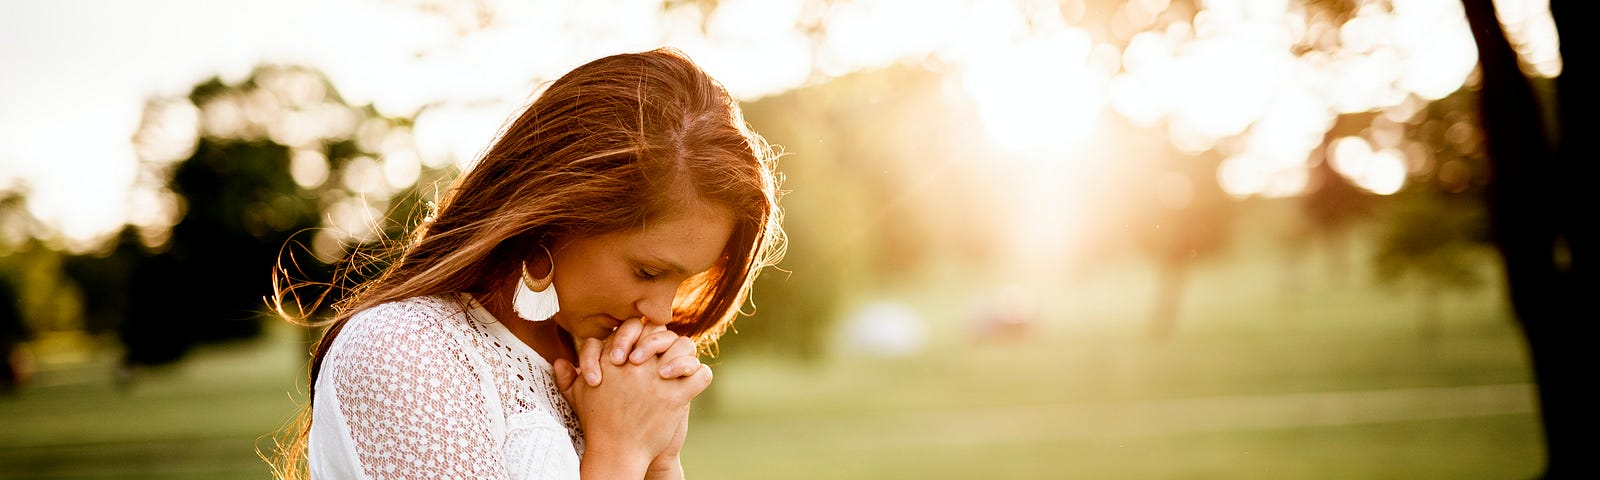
x=404 y=316
x=417 y=325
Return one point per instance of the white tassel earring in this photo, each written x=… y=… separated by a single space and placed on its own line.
x=536 y=299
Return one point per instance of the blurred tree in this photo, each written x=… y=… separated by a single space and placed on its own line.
x=1432 y=237
x=1332 y=205
x=1184 y=218
x=1435 y=230
x=29 y=287
x=103 y=278
x=1541 y=207
x=263 y=162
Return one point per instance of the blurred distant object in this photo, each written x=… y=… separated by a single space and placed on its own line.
x=1007 y=313
x=884 y=328
x=14 y=370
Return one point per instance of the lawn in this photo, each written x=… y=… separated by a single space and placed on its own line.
x=1334 y=381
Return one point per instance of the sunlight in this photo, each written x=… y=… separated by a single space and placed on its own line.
x=308 y=167
x=1382 y=172
x=1272 y=162
x=1253 y=81
x=1532 y=32
x=1039 y=94
x=457 y=134
x=871 y=34
x=1137 y=93
x=1442 y=52
x=1227 y=82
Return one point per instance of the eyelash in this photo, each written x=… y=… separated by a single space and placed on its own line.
x=645 y=275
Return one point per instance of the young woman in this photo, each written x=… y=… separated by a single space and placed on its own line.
x=611 y=232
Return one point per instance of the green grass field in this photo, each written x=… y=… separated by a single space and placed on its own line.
x=1259 y=382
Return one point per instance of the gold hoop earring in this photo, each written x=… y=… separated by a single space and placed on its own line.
x=535 y=298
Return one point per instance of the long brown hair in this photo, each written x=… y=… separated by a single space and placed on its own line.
x=608 y=147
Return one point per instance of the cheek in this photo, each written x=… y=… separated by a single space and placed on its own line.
x=593 y=289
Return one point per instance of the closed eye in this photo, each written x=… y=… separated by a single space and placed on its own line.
x=646 y=274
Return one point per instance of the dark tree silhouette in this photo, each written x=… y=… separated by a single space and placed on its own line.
x=242 y=213
x=1540 y=211
x=13 y=331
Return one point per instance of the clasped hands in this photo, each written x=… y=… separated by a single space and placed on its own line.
x=633 y=404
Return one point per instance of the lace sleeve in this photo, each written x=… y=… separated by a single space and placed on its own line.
x=414 y=407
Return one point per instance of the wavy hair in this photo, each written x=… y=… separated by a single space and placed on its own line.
x=608 y=147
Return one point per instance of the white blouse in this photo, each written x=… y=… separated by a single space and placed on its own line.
x=434 y=387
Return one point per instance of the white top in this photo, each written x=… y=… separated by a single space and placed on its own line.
x=435 y=387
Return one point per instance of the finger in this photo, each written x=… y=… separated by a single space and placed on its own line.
x=680 y=367
x=681 y=347
x=622 y=340
x=565 y=375
x=589 y=360
x=683 y=355
x=652 y=345
x=700 y=380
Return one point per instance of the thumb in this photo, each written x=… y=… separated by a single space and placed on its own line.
x=565 y=375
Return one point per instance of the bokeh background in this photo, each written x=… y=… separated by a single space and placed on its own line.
x=1028 y=238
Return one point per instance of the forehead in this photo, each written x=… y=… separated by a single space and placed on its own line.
x=692 y=237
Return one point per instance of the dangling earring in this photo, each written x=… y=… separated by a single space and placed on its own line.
x=536 y=297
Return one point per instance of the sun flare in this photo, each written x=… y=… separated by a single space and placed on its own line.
x=1040 y=93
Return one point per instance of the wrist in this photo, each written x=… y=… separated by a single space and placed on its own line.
x=604 y=463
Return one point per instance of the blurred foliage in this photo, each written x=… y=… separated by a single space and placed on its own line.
x=268 y=181
x=1433 y=232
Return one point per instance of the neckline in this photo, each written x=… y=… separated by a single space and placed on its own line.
x=500 y=332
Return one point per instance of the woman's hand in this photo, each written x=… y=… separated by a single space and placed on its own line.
x=635 y=422
x=635 y=342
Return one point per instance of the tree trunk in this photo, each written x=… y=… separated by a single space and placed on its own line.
x=1535 y=213
x=1169 y=294
x=1429 y=324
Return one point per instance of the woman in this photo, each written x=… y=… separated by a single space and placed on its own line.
x=620 y=219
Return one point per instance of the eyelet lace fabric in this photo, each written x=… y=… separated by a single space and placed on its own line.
x=433 y=387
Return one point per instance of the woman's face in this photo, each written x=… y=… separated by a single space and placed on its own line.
x=603 y=280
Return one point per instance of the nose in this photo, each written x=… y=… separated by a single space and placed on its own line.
x=656 y=306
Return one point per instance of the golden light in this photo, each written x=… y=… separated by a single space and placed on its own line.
x=1272 y=161
x=363 y=175
x=308 y=167
x=1137 y=93
x=1226 y=84
x=870 y=34
x=1532 y=32
x=1382 y=172
x=1443 y=53
x=1039 y=93
x=401 y=168
x=751 y=46
x=456 y=134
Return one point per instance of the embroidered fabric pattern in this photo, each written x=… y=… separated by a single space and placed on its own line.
x=534 y=387
x=429 y=390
